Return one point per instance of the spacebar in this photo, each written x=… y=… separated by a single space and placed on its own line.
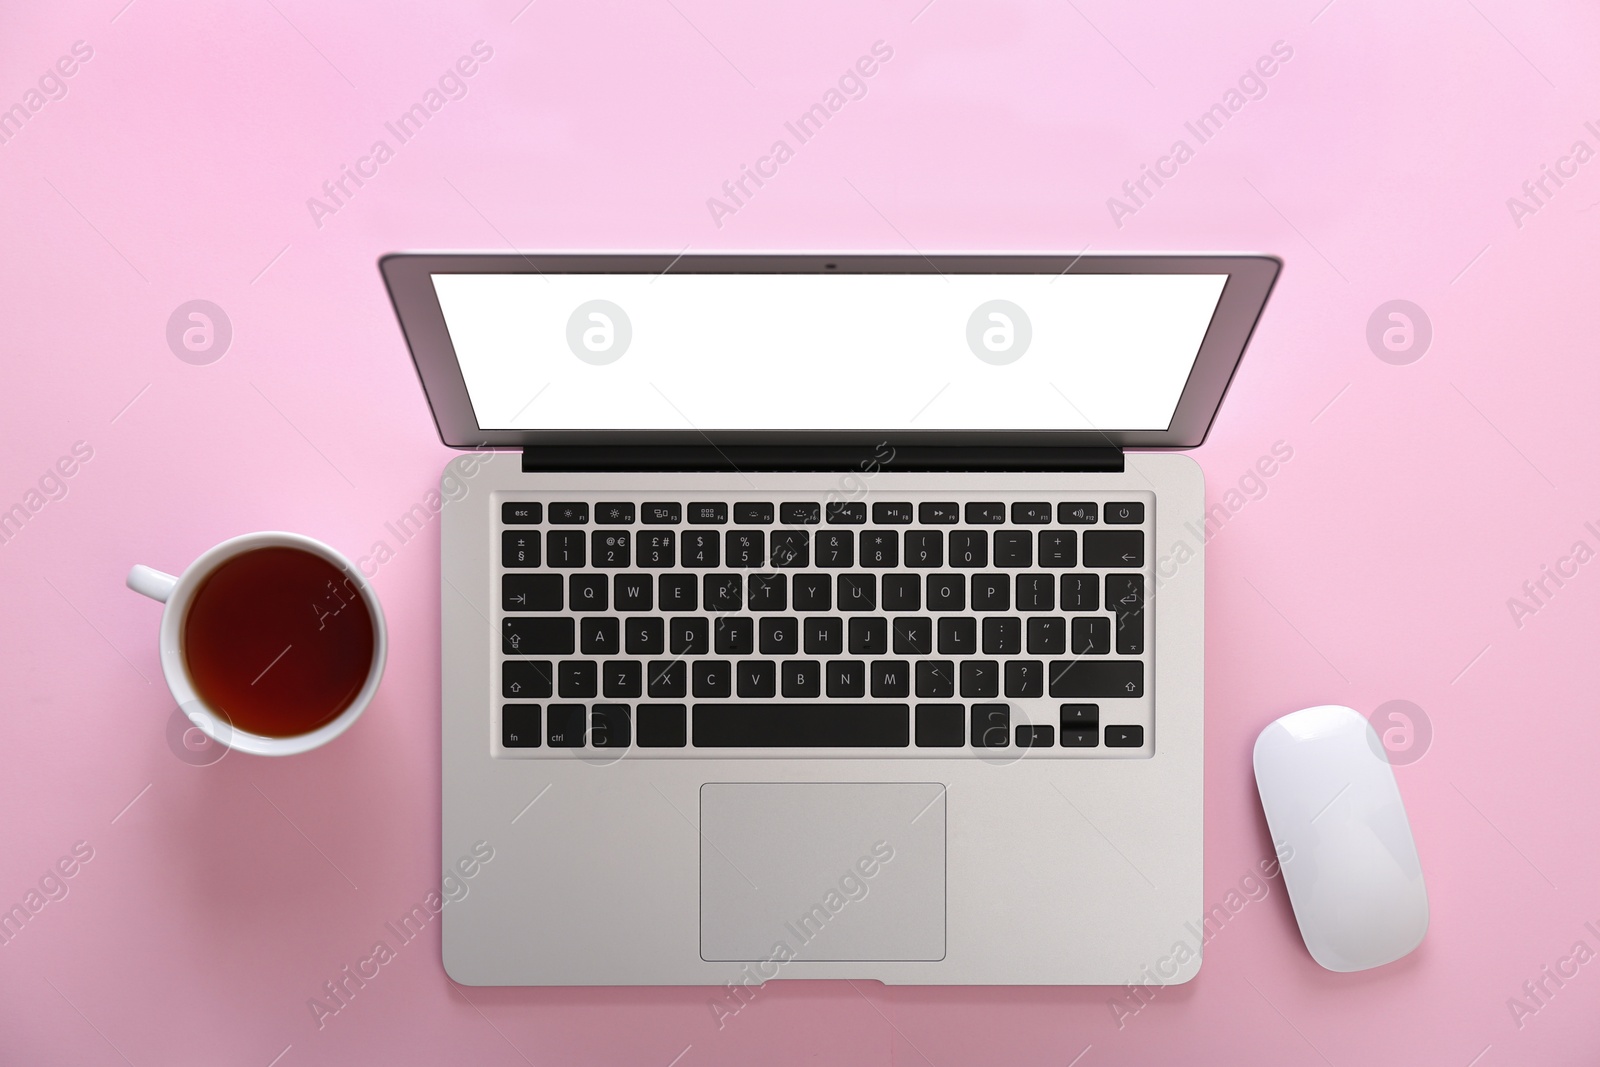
x=827 y=725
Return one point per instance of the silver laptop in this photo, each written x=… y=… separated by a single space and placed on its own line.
x=812 y=616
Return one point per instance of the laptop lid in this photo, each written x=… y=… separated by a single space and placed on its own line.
x=770 y=351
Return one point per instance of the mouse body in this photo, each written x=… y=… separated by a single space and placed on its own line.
x=1351 y=869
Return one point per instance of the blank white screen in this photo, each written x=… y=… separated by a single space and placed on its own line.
x=826 y=352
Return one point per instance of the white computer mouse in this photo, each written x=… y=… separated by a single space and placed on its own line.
x=1350 y=863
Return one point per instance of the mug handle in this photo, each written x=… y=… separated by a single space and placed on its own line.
x=157 y=585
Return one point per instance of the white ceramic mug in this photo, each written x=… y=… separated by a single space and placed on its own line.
x=177 y=593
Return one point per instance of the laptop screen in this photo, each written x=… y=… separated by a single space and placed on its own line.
x=913 y=352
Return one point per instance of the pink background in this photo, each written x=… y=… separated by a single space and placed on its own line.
x=1377 y=566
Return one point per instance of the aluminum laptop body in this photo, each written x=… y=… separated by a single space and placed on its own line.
x=823 y=616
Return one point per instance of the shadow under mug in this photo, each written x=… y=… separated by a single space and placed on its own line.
x=177 y=593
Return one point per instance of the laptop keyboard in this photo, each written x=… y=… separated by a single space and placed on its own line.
x=955 y=625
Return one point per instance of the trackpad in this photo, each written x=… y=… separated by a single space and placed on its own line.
x=822 y=872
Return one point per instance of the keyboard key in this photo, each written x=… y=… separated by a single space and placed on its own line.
x=724 y=592
x=1080 y=592
x=732 y=635
x=913 y=637
x=688 y=636
x=525 y=679
x=600 y=636
x=1002 y=636
x=757 y=678
x=669 y=514
x=947 y=592
x=530 y=592
x=1111 y=548
x=1024 y=678
x=610 y=548
x=969 y=548
x=1080 y=717
x=1013 y=548
x=657 y=548
x=937 y=514
x=885 y=512
x=522 y=513
x=1047 y=637
x=1036 y=736
x=622 y=678
x=753 y=514
x=711 y=678
x=802 y=678
x=1125 y=596
x=612 y=513
x=701 y=548
x=1097 y=678
x=564 y=548
x=958 y=636
x=1124 y=514
x=567 y=725
x=980 y=678
x=1034 y=513
x=791 y=548
x=936 y=678
x=665 y=678
x=519 y=726
x=1091 y=636
x=981 y=513
x=902 y=592
x=678 y=592
x=941 y=726
x=858 y=592
x=644 y=637
x=824 y=636
x=991 y=592
x=891 y=678
x=880 y=548
x=747 y=548
x=813 y=592
x=519 y=548
x=1058 y=548
x=767 y=592
x=1036 y=592
x=846 y=512
x=1077 y=513
x=1079 y=738
x=991 y=725
x=587 y=592
x=538 y=636
x=612 y=728
x=779 y=637
x=569 y=514
x=924 y=548
x=835 y=548
x=802 y=725
x=869 y=636
x=631 y=592
x=708 y=514
x=846 y=678
x=662 y=726
x=577 y=678
x=1124 y=736
x=800 y=513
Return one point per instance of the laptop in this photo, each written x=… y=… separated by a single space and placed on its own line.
x=823 y=616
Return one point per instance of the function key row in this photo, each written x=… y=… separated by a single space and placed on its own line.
x=837 y=512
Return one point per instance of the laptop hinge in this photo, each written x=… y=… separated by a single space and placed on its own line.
x=882 y=456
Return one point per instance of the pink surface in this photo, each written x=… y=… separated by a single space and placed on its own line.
x=1377 y=565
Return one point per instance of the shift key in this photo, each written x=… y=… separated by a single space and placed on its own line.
x=1113 y=548
x=1096 y=678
